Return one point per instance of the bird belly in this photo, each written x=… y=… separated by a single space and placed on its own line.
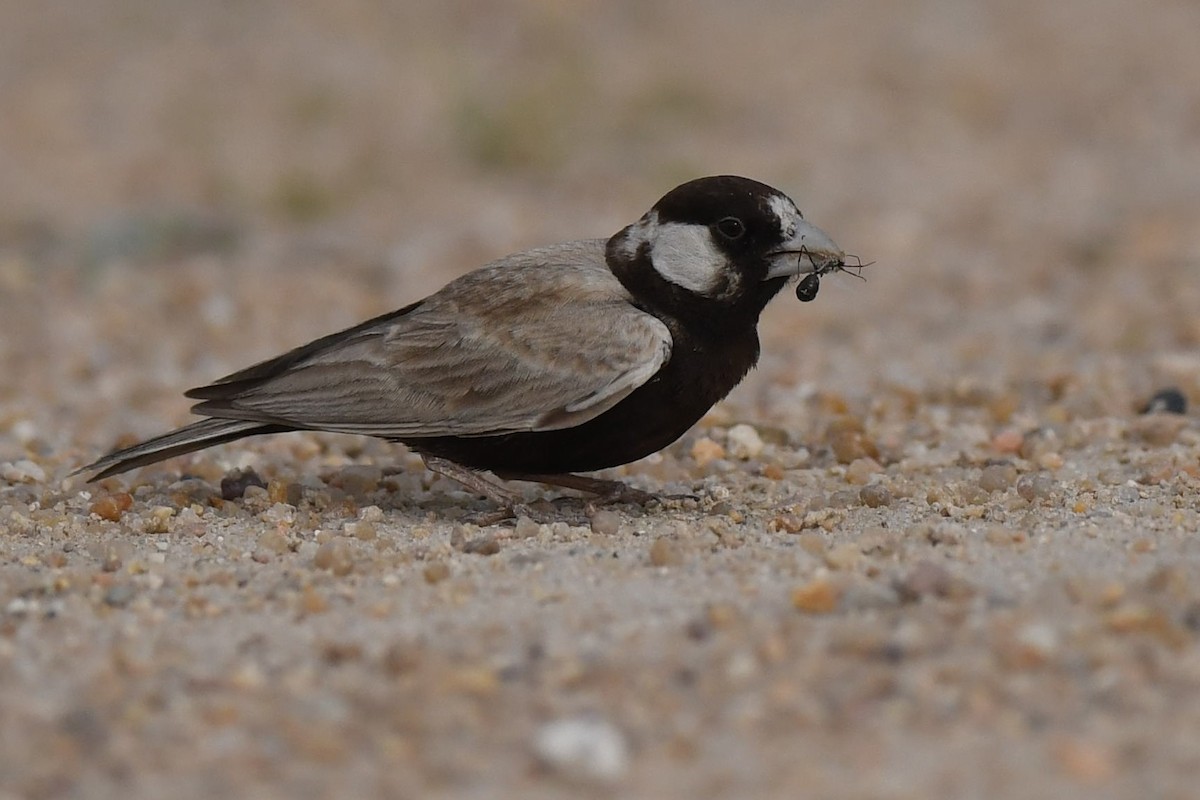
x=650 y=418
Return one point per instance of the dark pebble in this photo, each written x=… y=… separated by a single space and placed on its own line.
x=1168 y=401
x=482 y=546
x=235 y=484
x=118 y=595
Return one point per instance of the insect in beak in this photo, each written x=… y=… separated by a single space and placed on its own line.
x=806 y=289
x=810 y=284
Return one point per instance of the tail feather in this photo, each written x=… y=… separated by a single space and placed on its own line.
x=189 y=438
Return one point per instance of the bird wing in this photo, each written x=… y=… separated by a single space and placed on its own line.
x=542 y=340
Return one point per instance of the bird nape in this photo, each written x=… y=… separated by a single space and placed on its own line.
x=561 y=359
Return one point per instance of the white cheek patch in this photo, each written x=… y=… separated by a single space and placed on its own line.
x=686 y=256
x=787 y=214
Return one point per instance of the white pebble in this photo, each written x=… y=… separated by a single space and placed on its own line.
x=24 y=431
x=23 y=471
x=743 y=442
x=19 y=606
x=584 y=747
x=1038 y=637
x=370 y=514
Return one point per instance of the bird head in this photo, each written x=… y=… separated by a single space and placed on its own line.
x=719 y=245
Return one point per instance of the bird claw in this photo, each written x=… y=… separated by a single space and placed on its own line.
x=514 y=511
x=624 y=495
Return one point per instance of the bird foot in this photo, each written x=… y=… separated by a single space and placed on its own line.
x=540 y=512
x=509 y=505
x=623 y=495
x=512 y=506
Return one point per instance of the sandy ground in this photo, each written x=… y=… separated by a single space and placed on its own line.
x=935 y=550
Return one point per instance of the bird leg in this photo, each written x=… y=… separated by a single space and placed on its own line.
x=510 y=504
x=471 y=479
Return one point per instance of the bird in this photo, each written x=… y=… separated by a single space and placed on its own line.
x=557 y=360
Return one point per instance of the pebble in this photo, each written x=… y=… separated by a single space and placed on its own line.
x=1038 y=443
x=938 y=533
x=1035 y=643
x=112 y=507
x=358 y=479
x=1166 y=401
x=475 y=679
x=235 y=483
x=796 y=458
x=1127 y=494
x=19 y=606
x=1008 y=441
x=361 y=530
x=928 y=579
x=23 y=471
x=812 y=543
x=997 y=477
x=705 y=451
x=1050 y=460
x=112 y=558
x=187 y=491
x=844 y=498
x=772 y=471
x=875 y=495
x=436 y=572
x=1035 y=487
x=666 y=552
x=818 y=596
x=969 y=493
x=843 y=556
x=1087 y=762
x=273 y=542
x=743 y=442
x=24 y=431
x=119 y=594
x=158 y=520
x=400 y=658
x=277 y=492
x=313 y=601
x=587 y=748
x=849 y=445
x=604 y=522
x=334 y=556
x=999 y=535
x=526 y=528
x=1138 y=618
x=279 y=514
x=861 y=470
x=1158 y=430
x=485 y=545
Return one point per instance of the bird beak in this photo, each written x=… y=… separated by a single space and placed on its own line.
x=809 y=250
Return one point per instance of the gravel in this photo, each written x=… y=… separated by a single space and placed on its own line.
x=931 y=547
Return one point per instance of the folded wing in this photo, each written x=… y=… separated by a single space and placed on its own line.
x=543 y=340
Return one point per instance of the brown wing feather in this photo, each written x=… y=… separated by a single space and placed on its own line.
x=541 y=340
x=233 y=384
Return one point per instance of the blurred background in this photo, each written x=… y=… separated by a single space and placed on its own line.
x=187 y=187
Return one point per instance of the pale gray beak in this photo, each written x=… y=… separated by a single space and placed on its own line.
x=809 y=250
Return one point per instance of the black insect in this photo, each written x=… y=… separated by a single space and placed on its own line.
x=806 y=289
x=810 y=284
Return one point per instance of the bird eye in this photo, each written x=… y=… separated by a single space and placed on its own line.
x=731 y=228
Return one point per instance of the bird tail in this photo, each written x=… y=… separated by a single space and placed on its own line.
x=197 y=436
